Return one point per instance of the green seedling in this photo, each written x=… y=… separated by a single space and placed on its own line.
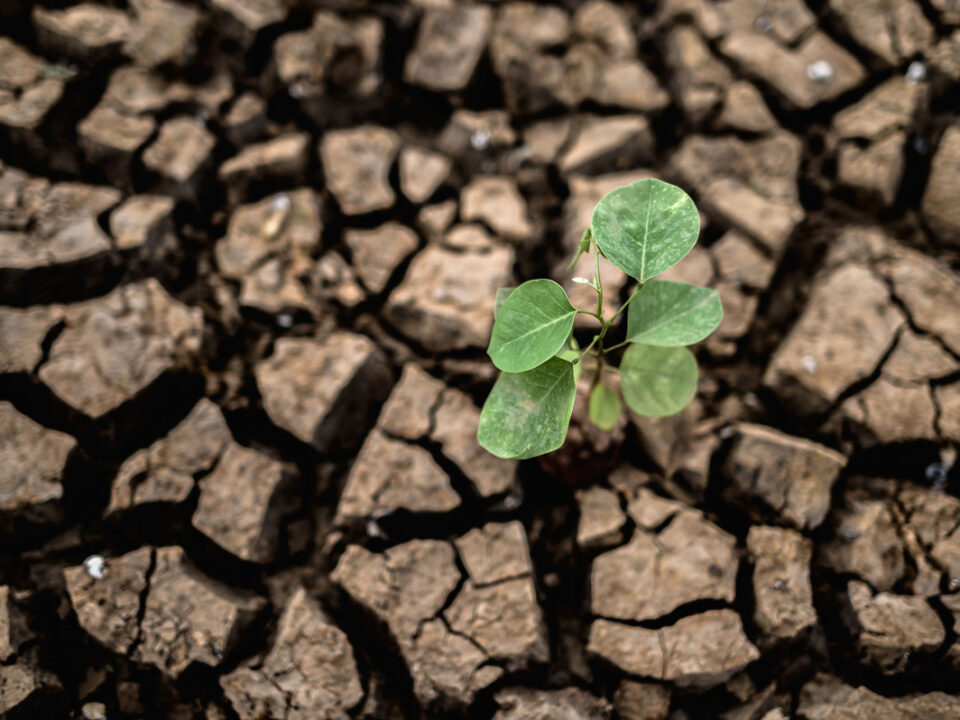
x=644 y=229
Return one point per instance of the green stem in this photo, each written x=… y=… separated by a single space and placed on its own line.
x=623 y=307
x=596 y=255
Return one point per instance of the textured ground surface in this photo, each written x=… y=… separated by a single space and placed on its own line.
x=248 y=255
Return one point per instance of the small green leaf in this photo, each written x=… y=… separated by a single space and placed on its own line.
x=532 y=326
x=646 y=227
x=658 y=381
x=605 y=407
x=669 y=313
x=527 y=414
x=502 y=294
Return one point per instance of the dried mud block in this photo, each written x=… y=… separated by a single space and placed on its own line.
x=26 y=688
x=422 y=172
x=847 y=327
x=699 y=650
x=607 y=25
x=110 y=138
x=655 y=573
x=790 y=476
x=309 y=672
x=745 y=110
x=268 y=249
x=641 y=701
x=891 y=106
x=115 y=347
x=608 y=143
x=333 y=63
x=891 y=411
x=134 y=90
x=144 y=223
x=243 y=502
x=782 y=591
x=876 y=170
x=890 y=628
x=826 y=698
x=324 y=391
x=335 y=281
x=503 y=619
x=601 y=519
x=108 y=602
x=246 y=120
x=455 y=422
x=163 y=33
x=14 y=631
x=165 y=472
x=474 y=131
x=945 y=553
x=749 y=185
x=698 y=78
x=283 y=159
x=356 y=166
x=33 y=460
x=450 y=41
x=649 y=510
x=244 y=19
x=378 y=252
x=27 y=97
x=87 y=32
x=497 y=606
x=939 y=205
x=189 y=618
x=391 y=475
x=948 y=400
x=535 y=79
x=497 y=202
x=23 y=332
x=740 y=261
x=566 y=704
x=895 y=32
x=183 y=148
x=944 y=57
x=51 y=242
x=406 y=588
x=816 y=70
x=495 y=552
x=435 y=308
x=866 y=542
x=408 y=412
x=785 y=20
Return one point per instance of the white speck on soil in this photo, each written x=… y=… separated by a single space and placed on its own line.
x=810 y=364
x=916 y=72
x=480 y=140
x=96 y=566
x=820 y=71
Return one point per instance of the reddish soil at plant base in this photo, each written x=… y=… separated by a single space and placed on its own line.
x=248 y=256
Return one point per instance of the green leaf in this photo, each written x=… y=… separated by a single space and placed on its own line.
x=532 y=326
x=605 y=407
x=502 y=294
x=670 y=313
x=658 y=381
x=527 y=414
x=646 y=227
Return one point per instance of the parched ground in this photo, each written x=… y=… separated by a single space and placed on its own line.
x=248 y=255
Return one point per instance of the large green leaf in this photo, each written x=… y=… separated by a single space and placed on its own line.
x=670 y=313
x=605 y=407
x=527 y=414
x=646 y=227
x=658 y=381
x=532 y=326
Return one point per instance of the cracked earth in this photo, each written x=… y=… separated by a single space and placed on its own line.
x=249 y=251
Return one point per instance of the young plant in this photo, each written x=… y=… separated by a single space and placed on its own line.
x=644 y=229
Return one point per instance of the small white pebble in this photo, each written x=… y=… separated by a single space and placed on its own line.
x=285 y=320
x=916 y=72
x=96 y=566
x=480 y=140
x=297 y=90
x=810 y=364
x=820 y=71
x=94 y=711
x=511 y=502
